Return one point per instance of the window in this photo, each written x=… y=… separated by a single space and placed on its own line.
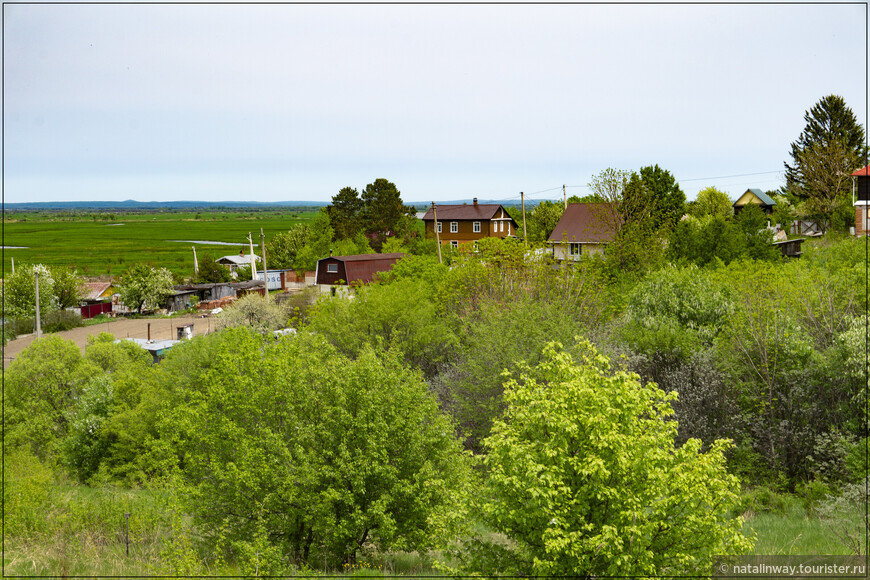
x=476 y=227
x=332 y=268
x=454 y=227
x=575 y=249
x=438 y=227
x=454 y=244
x=501 y=226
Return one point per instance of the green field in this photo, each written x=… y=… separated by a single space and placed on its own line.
x=96 y=245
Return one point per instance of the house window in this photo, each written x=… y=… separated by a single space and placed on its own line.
x=454 y=244
x=438 y=227
x=332 y=268
x=454 y=227
x=575 y=249
x=476 y=227
x=501 y=226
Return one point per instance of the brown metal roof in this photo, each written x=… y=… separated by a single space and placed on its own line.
x=94 y=290
x=476 y=211
x=586 y=222
x=364 y=267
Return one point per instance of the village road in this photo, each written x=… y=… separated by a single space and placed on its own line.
x=161 y=329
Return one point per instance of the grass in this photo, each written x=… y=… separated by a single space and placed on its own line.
x=100 y=247
x=793 y=533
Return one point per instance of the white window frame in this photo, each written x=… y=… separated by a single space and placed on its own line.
x=476 y=227
x=454 y=244
x=332 y=268
x=575 y=249
x=454 y=227
x=438 y=227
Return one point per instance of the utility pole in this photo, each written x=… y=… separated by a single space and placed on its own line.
x=523 y=201
x=253 y=259
x=263 y=247
x=13 y=265
x=195 y=263
x=564 y=196
x=437 y=237
x=38 y=323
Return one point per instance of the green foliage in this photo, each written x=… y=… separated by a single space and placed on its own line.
x=356 y=450
x=676 y=310
x=261 y=314
x=210 y=271
x=19 y=292
x=40 y=387
x=759 y=240
x=711 y=202
x=846 y=517
x=282 y=248
x=345 y=213
x=656 y=195
x=543 y=219
x=143 y=286
x=590 y=457
x=25 y=491
x=383 y=209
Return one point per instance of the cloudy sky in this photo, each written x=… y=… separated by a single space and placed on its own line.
x=293 y=102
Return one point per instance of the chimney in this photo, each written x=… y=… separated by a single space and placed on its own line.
x=475 y=201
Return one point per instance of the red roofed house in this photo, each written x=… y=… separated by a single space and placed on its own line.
x=861 y=200
x=584 y=229
x=353 y=270
x=96 y=298
x=467 y=223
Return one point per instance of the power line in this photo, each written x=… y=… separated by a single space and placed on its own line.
x=729 y=176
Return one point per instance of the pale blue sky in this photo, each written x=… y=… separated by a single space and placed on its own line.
x=293 y=102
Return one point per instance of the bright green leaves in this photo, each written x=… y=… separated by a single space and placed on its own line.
x=335 y=453
x=586 y=480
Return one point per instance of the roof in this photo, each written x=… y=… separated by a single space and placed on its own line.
x=475 y=211
x=363 y=267
x=94 y=290
x=237 y=259
x=863 y=172
x=763 y=197
x=586 y=222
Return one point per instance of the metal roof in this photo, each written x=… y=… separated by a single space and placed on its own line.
x=475 y=211
x=586 y=222
x=363 y=267
x=760 y=195
x=863 y=172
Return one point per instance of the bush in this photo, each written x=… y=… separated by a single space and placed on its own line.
x=61 y=320
x=585 y=479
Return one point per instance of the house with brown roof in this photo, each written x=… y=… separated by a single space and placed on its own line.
x=583 y=230
x=458 y=224
x=353 y=270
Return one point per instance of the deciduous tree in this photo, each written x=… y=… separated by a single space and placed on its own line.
x=144 y=286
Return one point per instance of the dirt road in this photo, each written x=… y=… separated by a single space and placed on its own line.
x=161 y=329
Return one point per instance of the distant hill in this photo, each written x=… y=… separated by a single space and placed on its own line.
x=131 y=205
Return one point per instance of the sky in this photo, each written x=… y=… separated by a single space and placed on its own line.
x=287 y=102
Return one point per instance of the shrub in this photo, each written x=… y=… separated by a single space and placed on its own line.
x=585 y=479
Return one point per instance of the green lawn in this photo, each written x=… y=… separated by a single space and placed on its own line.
x=110 y=247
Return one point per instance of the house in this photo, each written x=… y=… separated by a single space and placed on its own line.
x=861 y=200
x=757 y=197
x=584 y=229
x=467 y=223
x=96 y=299
x=353 y=270
x=234 y=262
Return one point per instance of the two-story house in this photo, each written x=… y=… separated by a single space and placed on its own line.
x=464 y=223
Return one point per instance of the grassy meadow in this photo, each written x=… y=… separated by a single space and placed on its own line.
x=98 y=244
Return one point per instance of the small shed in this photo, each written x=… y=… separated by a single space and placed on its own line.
x=757 y=197
x=790 y=248
x=235 y=261
x=352 y=270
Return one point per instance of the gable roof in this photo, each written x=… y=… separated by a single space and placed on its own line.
x=762 y=197
x=475 y=211
x=363 y=267
x=863 y=172
x=94 y=290
x=586 y=222
x=237 y=259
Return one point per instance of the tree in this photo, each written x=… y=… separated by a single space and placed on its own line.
x=345 y=213
x=654 y=193
x=585 y=479
x=254 y=311
x=711 y=202
x=357 y=452
x=145 y=286
x=283 y=248
x=543 y=219
x=19 y=291
x=383 y=209
x=211 y=272
x=67 y=287
x=828 y=150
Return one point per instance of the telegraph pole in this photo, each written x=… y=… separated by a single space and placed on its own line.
x=523 y=201
x=564 y=196
x=437 y=237
x=253 y=258
x=38 y=323
x=263 y=247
